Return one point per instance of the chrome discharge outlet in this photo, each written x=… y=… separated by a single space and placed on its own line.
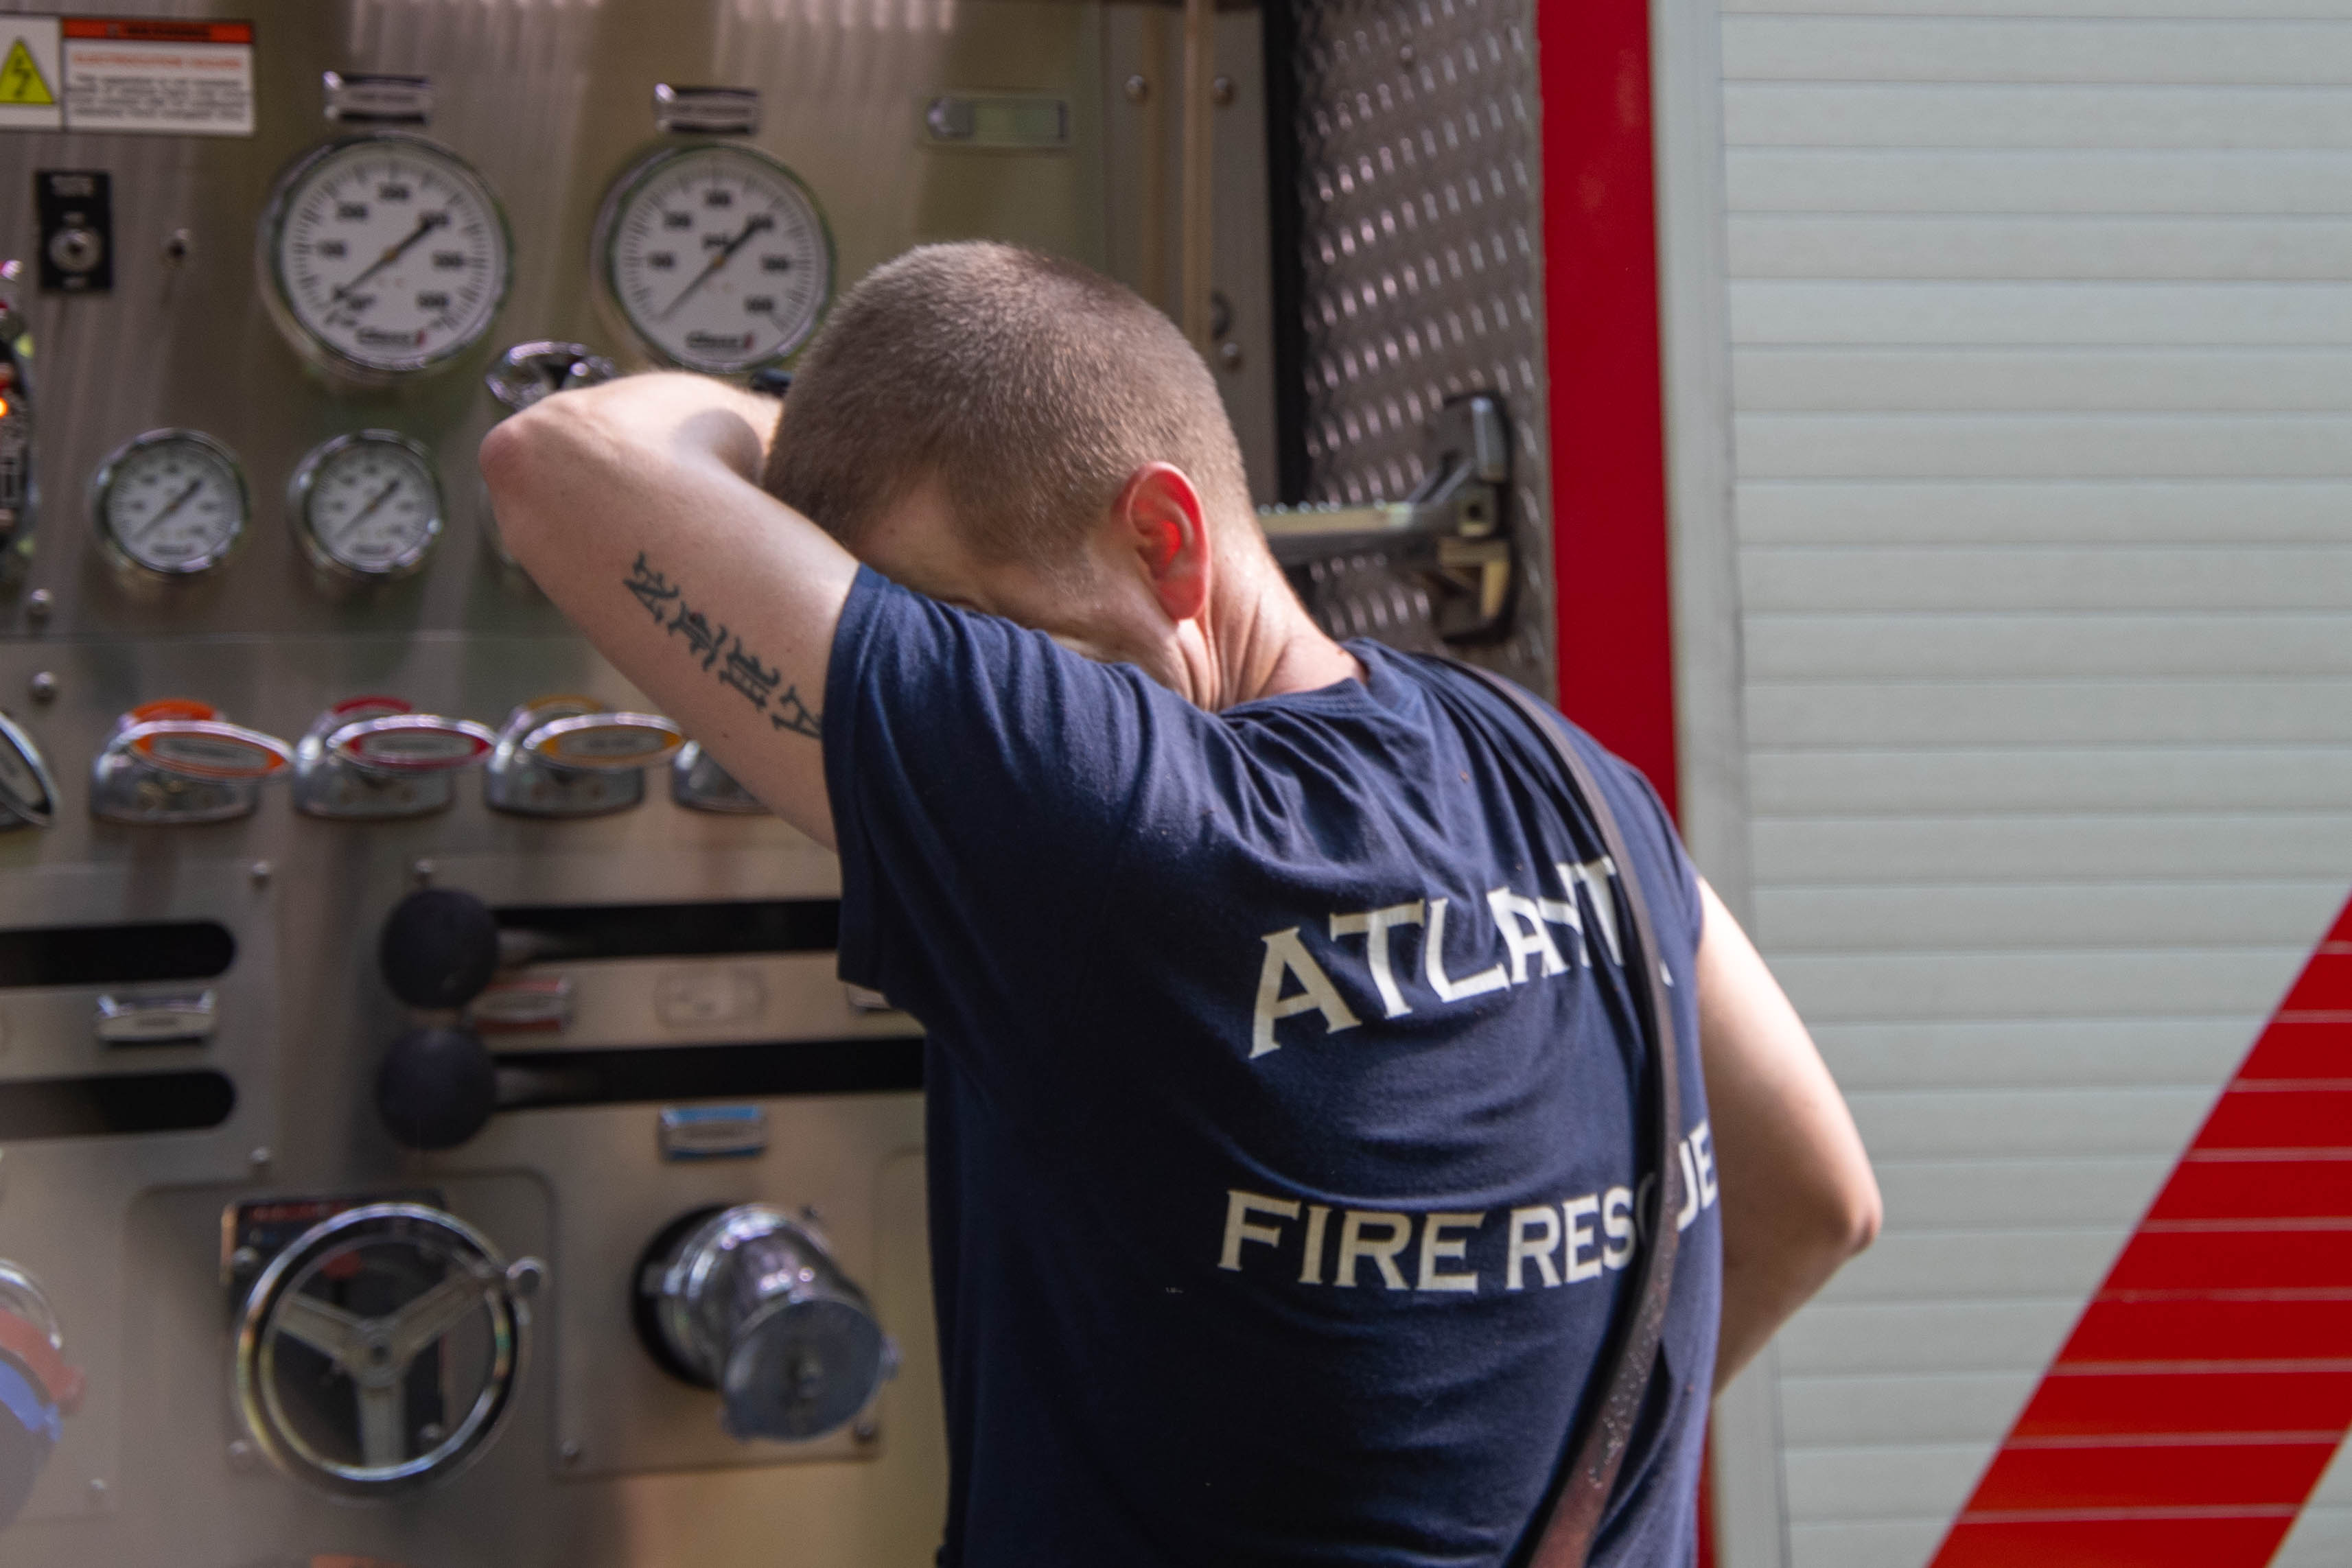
x=748 y=1301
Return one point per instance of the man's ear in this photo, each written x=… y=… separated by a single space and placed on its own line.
x=1159 y=515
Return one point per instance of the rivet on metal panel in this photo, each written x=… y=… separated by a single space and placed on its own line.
x=259 y=1158
x=43 y=686
x=570 y=1453
x=867 y=1430
x=98 y=1492
x=421 y=872
x=39 y=603
x=259 y=873
x=176 y=245
x=1222 y=91
x=241 y=1456
x=1137 y=88
x=1229 y=354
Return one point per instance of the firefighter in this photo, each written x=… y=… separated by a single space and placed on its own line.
x=1285 y=1054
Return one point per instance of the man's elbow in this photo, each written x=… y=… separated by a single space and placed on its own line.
x=1851 y=1214
x=516 y=465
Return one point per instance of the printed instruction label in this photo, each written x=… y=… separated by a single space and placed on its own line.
x=31 y=76
x=155 y=75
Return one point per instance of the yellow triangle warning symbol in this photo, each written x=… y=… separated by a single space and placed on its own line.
x=20 y=78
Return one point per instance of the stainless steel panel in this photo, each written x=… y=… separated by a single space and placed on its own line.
x=605 y=1461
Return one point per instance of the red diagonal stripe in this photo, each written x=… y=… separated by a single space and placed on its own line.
x=2114 y=1541
x=2209 y=1381
x=2085 y=1401
x=2257 y=1188
x=2041 y=1479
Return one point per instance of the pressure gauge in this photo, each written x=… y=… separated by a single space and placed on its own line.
x=172 y=503
x=366 y=505
x=716 y=255
x=384 y=256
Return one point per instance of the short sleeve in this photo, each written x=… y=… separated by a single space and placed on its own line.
x=979 y=777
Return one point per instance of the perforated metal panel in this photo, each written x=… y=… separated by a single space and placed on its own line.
x=1422 y=273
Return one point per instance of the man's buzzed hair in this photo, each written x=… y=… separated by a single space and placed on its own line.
x=1031 y=386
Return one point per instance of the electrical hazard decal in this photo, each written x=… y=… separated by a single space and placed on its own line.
x=156 y=75
x=31 y=74
x=2202 y=1393
x=20 y=77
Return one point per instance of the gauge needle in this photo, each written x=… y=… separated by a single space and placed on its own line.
x=758 y=222
x=181 y=499
x=364 y=512
x=425 y=225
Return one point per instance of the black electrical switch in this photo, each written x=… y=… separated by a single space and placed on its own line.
x=75 y=209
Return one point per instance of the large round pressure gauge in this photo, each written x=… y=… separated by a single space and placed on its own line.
x=366 y=505
x=384 y=256
x=172 y=503
x=716 y=255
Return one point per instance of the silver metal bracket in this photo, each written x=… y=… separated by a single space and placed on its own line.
x=699 y=784
x=1451 y=532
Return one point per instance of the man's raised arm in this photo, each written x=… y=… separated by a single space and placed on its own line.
x=635 y=506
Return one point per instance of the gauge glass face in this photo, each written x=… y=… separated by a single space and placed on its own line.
x=388 y=254
x=173 y=502
x=369 y=503
x=718 y=258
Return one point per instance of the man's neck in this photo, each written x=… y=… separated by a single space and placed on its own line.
x=1266 y=645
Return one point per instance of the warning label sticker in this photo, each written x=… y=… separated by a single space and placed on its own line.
x=30 y=74
x=193 y=79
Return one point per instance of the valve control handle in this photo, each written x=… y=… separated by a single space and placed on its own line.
x=436 y=1089
x=440 y=948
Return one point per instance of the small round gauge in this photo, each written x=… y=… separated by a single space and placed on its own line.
x=384 y=256
x=170 y=502
x=716 y=255
x=366 y=505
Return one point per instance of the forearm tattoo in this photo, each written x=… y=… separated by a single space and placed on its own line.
x=722 y=653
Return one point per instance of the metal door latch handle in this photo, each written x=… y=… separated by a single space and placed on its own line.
x=1452 y=532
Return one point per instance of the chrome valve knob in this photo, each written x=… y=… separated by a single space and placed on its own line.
x=380 y=1349
x=375 y=759
x=747 y=1300
x=176 y=762
x=570 y=757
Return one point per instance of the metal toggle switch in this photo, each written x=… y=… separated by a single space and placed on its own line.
x=571 y=757
x=176 y=762
x=375 y=760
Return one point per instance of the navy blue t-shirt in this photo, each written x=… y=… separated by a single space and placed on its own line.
x=1282 y=1080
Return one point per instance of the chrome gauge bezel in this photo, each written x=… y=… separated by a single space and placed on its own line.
x=604 y=241
x=303 y=489
x=101 y=486
x=278 y=294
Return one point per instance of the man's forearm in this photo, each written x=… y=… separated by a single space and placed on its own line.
x=1799 y=1198
x=633 y=506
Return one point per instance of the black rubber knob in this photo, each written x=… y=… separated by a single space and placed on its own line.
x=436 y=1088
x=440 y=947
